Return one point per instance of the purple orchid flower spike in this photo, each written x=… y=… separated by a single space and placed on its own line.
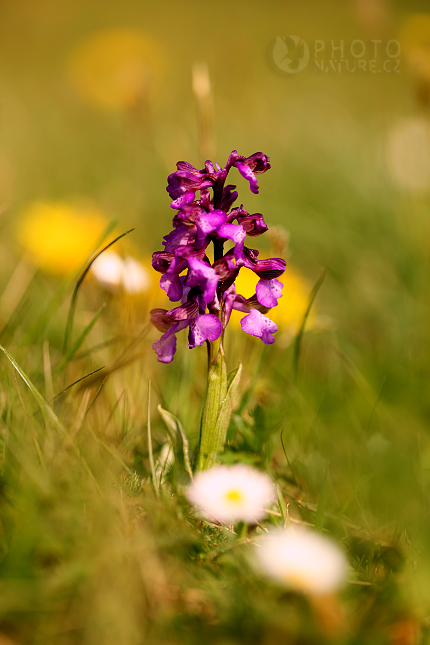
x=206 y=290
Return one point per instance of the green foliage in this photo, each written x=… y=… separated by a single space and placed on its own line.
x=219 y=401
x=337 y=412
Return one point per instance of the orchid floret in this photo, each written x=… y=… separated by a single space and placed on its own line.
x=185 y=265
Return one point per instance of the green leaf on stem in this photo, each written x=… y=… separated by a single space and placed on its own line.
x=220 y=397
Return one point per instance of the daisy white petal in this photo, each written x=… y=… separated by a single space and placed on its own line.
x=302 y=560
x=108 y=268
x=135 y=278
x=232 y=493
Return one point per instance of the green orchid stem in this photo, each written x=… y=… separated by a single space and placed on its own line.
x=242 y=530
x=212 y=433
x=219 y=402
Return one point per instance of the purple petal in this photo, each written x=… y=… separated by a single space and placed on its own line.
x=180 y=236
x=184 y=312
x=257 y=324
x=174 y=186
x=248 y=258
x=171 y=284
x=202 y=275
x=253 y=303
x=207 y=223
x=202 y=328
x=241 y=304
x=183 y=184
x=269 y=269
x=267 y=336
x=268 y=292
x=214 y=306
x=226 y=268
x=205 y=198
x=233 y=157
x=161 y=261
x=229 y=297
x=253 y=224
x=165 y=347
x=247 y=173
x=184 y=165
x=258 y=162
x=187 y=214
x=232 y=232
x=189 y=180
x=209 y=167
x=236 y=233
x=186 y=198
x=229 y=196
x=159 y=319
x=183 y=253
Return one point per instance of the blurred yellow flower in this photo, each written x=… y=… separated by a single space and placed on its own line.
x=115 y=69
x=415 y=42
x=59 y=236
x=291 y=308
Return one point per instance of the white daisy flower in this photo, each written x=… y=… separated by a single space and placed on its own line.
x=107 y=268
x=232 y=494
x=302 y=560
x=114 y=272
x=135 y=277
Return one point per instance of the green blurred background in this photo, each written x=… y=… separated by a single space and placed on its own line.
x=340 y=144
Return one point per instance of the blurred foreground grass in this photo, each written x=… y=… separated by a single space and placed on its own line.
x=87 y=553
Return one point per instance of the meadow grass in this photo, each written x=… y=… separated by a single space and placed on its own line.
x=98 y=543
x=94 y=552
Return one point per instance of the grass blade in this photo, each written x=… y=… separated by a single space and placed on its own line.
x=43 y=320
x=298 y=341
x=50 y=415
x=151 y=455
x=82 y=277
x=76 y=382
x=289 y=465
x=319 y=519
x=282 y=505
x=174 y=426
x=78 y=342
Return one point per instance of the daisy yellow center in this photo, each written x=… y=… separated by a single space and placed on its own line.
x=297 y=580
x=234 y=495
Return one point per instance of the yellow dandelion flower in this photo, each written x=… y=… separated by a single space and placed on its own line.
x=58 y=236
x=291 y=308
x=415 y=42
x=114 y=69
